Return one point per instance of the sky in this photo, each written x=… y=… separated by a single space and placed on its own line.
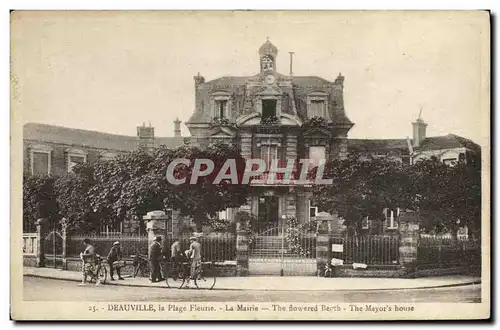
x=112 y=71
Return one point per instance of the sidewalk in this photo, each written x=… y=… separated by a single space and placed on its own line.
x=276 y=283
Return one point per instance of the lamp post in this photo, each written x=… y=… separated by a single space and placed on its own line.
x=283 y=224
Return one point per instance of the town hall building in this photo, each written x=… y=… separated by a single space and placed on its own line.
x=268 y=115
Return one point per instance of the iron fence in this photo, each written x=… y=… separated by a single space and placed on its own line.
x=369 y=250
x=443 y=252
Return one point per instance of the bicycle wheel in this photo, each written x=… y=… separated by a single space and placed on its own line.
x=102 y=274
x=205 y=277
x=174 y=277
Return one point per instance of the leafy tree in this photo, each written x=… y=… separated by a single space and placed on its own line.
x=363 y=187
x=448 y=196
x=203 y=199
x=39 y=200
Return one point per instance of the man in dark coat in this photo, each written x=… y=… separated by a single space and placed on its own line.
x=115 y=254
x=155 y=254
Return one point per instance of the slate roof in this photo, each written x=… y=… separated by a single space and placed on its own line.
x=87 y=138
x=376 y=146
x=449 y=141
x=296 y=80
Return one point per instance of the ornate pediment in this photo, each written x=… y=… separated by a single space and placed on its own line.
x=317 y=132
x=221 y=132
x=270 y=91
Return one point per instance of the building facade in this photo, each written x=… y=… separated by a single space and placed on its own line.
x=268 y=116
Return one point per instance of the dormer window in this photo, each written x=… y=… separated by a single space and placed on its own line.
x=318 y=108
x=220 y=109
x=317 y=105
x=220 y=105
x=268 y=109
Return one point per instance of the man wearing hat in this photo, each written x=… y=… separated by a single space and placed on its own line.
x=194 y=253
x=155 y=254
x=115 y=254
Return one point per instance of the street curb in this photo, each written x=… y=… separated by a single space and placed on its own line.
x=238 y=289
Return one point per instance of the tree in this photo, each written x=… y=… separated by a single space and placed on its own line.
x=449 y=196
x=363 y=187
x=203 y=199
x=39 y=200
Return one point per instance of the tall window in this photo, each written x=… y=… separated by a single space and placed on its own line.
x=317 y=109
x=313 y=211
x=316 y=153
x=40 y=162
x=220 y=109
x=73 y=160
x=268 y=153
x=268 y=109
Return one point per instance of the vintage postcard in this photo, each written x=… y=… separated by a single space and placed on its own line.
x=250 y=165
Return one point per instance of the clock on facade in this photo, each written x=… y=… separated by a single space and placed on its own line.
x=270 y=79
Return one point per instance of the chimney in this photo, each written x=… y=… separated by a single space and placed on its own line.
x=177 y=127
x=146 y=135
x=419 y=127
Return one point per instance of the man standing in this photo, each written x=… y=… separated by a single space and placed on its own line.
x=115 y=254
x=155 y=254
x=88 y=262
x=176 y=257
x=194 y=253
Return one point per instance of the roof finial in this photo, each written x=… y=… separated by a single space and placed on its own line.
x=267 y=38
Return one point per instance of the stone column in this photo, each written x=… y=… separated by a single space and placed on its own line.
x=246 y=145
x=242 y=248
x=408 y=241
x=156 y=225
x=64 y=233
x=41 y=231
x=322 y=246
x=291 y=147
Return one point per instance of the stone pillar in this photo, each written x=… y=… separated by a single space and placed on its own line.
x=64 y=233
x=322 y=246
x=291 y=205
x=408 y=241
x=41 y=231
x=242 y=248
x=291 y=147
x=156 y=225
x=246 y=145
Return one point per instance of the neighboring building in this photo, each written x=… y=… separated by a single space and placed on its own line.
x=264 y=114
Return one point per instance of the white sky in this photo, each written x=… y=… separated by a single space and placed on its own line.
x=112 y=71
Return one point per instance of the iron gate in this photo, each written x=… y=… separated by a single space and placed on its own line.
x=283 y=251
x=53 y=249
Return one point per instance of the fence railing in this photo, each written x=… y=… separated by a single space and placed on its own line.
x=129 y=244
x=213 y=247
x=445 y=252
x=30 y=243
x=370 y=250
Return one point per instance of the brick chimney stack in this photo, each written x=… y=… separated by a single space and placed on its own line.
x=177 y=127
x=146 y=135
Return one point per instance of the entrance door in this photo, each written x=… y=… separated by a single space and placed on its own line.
x=269 y=211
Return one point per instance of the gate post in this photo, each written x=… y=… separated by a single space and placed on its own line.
x=322 y=246
x=64 y=227
x=408 y=241
x=156 y=226
x=40 y=242
x=241 y=250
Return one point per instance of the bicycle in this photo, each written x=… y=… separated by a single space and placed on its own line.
x=99 y=272
x=141 y=264
x=205 y=274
